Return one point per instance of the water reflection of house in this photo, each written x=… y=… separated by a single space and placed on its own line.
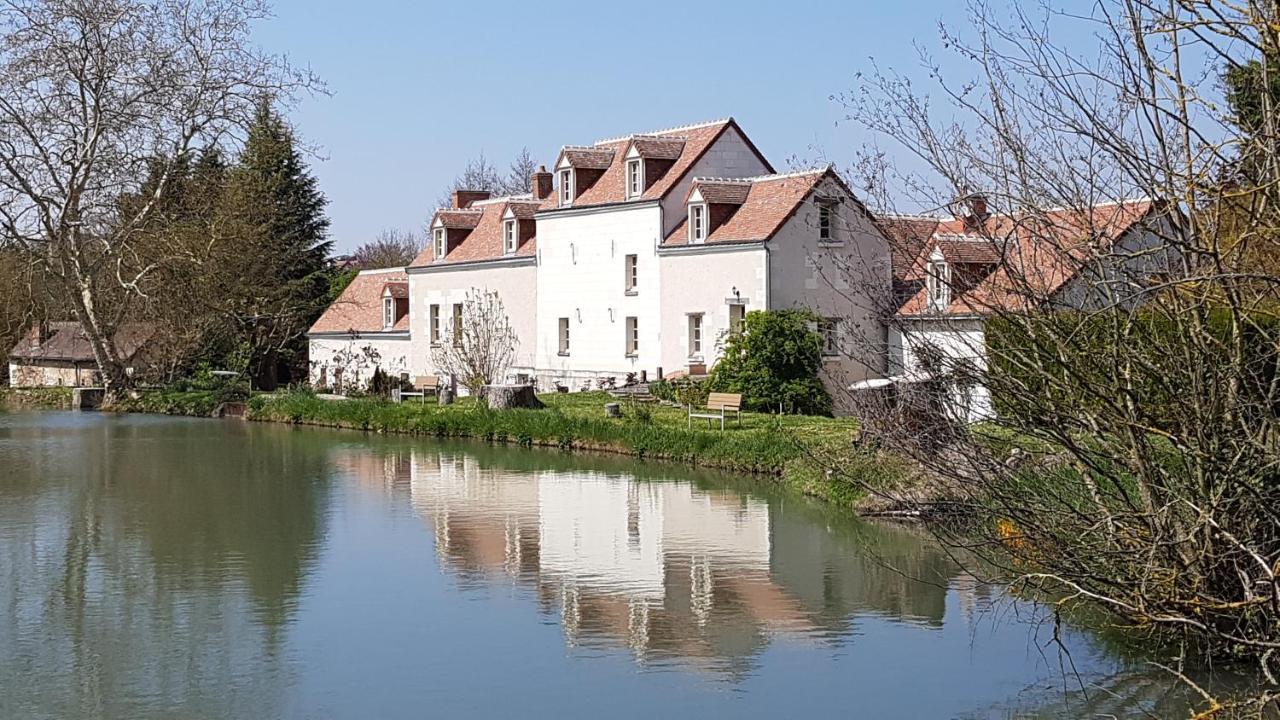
x=663 y=568
x=674 y=572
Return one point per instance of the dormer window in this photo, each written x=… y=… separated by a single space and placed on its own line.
x=388 y=312
x=697 y=223
x=938 y=282
x=509 y=237
x=635 y=178
x=439 y=243
x=566 y=186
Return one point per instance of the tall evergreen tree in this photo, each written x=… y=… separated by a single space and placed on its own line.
x=275 y=249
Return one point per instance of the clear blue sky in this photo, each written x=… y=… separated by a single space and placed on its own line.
x=418 y=87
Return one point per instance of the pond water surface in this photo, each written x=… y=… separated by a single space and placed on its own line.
x=159 y=567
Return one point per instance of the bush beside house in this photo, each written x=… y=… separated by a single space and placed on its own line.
x=773 y=361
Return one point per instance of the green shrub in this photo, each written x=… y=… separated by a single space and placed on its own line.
x=773 y=361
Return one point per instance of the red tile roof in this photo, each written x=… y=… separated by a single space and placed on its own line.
x=610 y=188
x=589 y=157
x=726 y=192
x=484 y=242
x=1034 y=256
x=657 y=147
x=464 y=219
x=769 y=202
x=359 y=307
x=397 y=290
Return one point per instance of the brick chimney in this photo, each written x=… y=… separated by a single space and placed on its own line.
x=464 y=198
x=540 y=183
x=40 y=334
x=977 y=214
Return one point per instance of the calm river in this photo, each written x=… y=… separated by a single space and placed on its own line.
x=174 y=568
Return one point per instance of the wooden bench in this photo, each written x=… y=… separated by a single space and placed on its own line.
x=718 y=404
x=422 y=386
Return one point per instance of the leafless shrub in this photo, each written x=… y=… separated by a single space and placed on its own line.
x=482 y=346
x=1132 y=461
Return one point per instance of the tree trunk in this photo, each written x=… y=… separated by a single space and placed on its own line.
x=505 y=397
x=114 y=379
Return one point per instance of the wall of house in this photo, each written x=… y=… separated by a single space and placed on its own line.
x=703 y=281
x=955 y=339
x=1121 y=278
x=357 y=358
x=848 y=279
x=581 y=256
x=517 y=288
x=50 y=373
x=729 y=156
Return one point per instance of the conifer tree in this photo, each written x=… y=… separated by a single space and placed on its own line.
x=273 y=249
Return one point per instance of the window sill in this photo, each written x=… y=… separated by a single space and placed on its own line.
x=830 y=243
x=633 y=356
x=563 y=353
x=631 y=293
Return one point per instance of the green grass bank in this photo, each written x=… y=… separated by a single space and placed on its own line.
x=795 y=450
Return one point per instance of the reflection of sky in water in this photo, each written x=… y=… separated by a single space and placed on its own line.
x=152 y=567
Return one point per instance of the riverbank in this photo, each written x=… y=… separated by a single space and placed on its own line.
x=785 y=447
x=796 y=450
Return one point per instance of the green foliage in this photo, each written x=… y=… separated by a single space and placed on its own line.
x=1031 y=364
x=773 y=361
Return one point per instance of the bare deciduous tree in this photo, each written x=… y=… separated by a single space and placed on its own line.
x=1132 y=464
x=392 y=248
x=91 y=95
x=481 y=345
x=481 y=174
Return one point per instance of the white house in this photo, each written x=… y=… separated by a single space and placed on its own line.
x=635 y=255
x=366 y=328
x=951 y=274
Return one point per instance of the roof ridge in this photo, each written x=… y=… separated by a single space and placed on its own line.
x=525 y=197
x=593 y=148
x=765 y=178
x=379 y=271
x=664 y=131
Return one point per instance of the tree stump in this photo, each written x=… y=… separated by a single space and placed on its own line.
x=505 y=397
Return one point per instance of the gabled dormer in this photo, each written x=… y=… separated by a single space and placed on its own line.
x=518 y=226
x=395 y=303
x=648 y=159
x=578 y=168
x=449 y=228
x=712 y=202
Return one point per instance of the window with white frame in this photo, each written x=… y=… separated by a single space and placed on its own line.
x=457 y=324
x=697 y=223
x=826 y=221
x=566 y=186
x=388 y=312
x=635 y=178
x=509 y=237
x=439 y=241
x=630 y=275
x=564 y=336
x=938 y=281
x=830 y=330
x=433 y=316
x=695 y=334
x=633 y=336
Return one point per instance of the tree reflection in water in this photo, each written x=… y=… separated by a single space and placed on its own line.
x=131 y=538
